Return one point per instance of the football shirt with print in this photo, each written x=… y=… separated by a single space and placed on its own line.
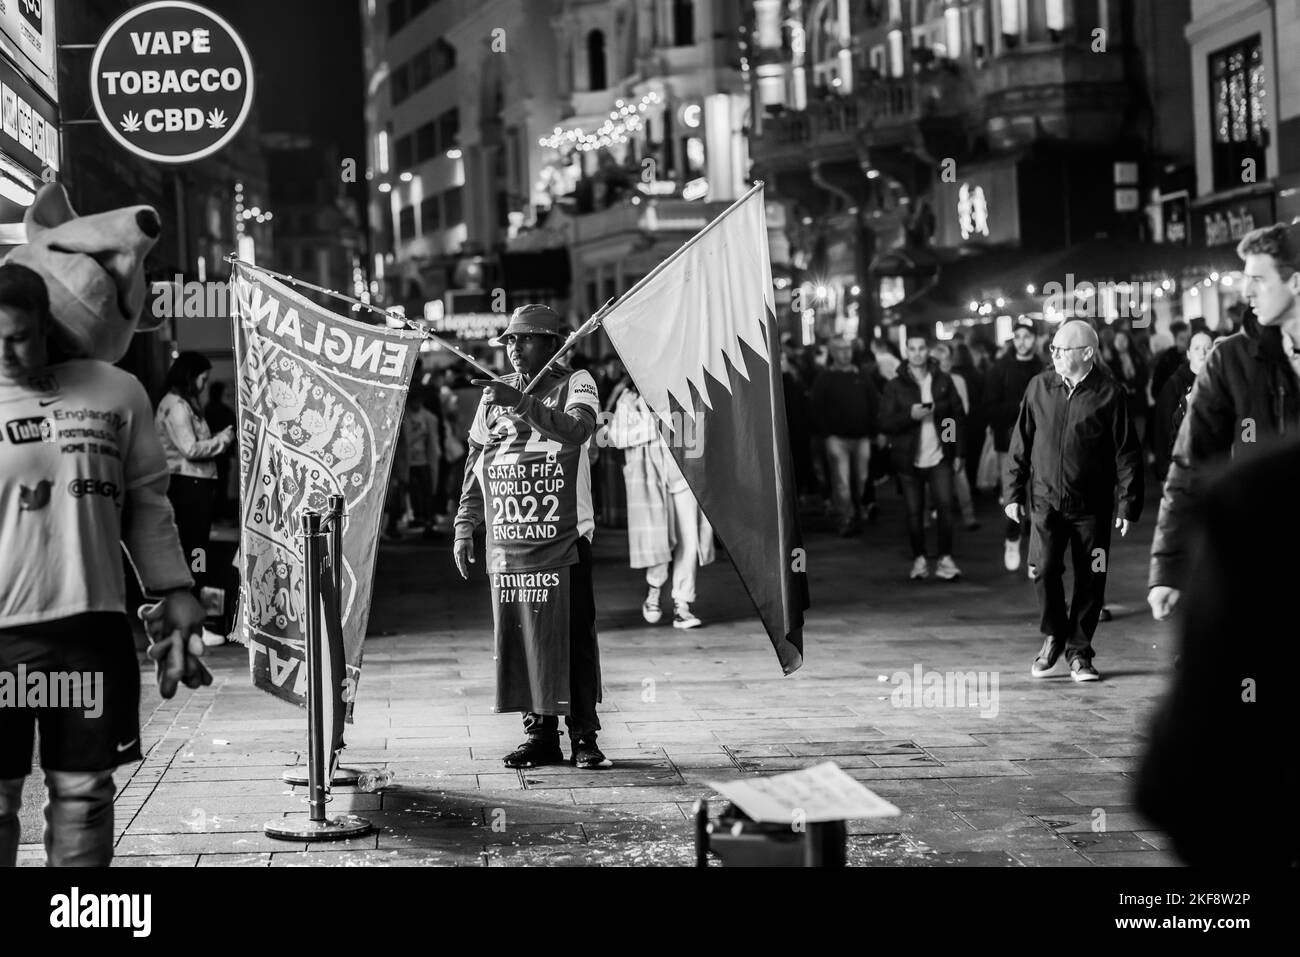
x=74 y=441
x=536 y=490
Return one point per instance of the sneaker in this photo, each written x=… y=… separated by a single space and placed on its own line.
x=1047 y=658
x=212 y=640
x=871 y=512
x=947 y=569
x=1082 y=670
x=683 y=617
x=920 y=568
x=1105 y=614
x=1011 y=555
x=587 y=756
x=650 y=609
x=850 y=528
x=535 y=752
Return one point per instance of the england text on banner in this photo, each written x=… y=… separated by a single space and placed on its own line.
x=320 y=403
x=699 y=339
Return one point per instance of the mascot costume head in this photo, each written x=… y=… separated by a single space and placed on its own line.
x=93 y=267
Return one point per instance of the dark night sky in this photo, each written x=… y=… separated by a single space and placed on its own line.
x=308 y=59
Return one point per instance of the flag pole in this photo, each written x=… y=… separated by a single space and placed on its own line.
x=233 y=259
x=595 y=321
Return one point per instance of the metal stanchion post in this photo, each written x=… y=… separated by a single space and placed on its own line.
x=316 y=826
x=342 y=777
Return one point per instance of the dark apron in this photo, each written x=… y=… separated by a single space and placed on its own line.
x=531 y=613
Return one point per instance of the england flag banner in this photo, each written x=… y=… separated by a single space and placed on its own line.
x=699 y=338
x=320 y=404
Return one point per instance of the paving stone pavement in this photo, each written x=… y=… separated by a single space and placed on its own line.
x=1040 y=775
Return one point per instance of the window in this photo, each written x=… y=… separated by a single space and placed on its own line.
x=406 y=223
x=431 y=215
x=396 y=15
x=895 y=52
x=595 y=60
x=444 y=58
x=451 y=207
x=422 y=68
x=1238 y=111
x=449 y=129
x=426 y=142
x=401 y=83
x=404 y=153
x=952 y=31
x=1010 y=10
x=1055 y=18
x=683 y=24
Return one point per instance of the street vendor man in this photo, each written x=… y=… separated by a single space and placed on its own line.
x=528 y=477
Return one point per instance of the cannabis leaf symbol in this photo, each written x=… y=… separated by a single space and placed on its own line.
x=216 y=119
x=130 y=122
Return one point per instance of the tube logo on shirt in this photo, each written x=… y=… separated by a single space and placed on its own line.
x=34 y=428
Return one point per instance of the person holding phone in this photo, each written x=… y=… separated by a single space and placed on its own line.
x=923 y=416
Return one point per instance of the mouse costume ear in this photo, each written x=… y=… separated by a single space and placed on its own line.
x=50 y=208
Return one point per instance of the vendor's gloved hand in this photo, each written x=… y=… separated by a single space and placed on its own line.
x=496 y=392
x=175 y=629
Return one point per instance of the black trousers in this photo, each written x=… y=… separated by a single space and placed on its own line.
x=192 y=502
x=913 y=484
x=1087 y=540
x=584 y=660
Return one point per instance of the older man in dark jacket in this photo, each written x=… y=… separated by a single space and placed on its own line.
x=923 y=416
x=1247 y=397
x=1075 y=444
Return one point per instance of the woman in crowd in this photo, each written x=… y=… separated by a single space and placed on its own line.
x=1127 y=365
x=192 y=452
x=1171 y=405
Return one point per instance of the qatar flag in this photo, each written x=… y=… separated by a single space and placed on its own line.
x=699 y=338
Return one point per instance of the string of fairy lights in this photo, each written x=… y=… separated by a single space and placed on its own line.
x=624 y=119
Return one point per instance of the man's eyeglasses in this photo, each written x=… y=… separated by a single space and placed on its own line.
x=1058 y=350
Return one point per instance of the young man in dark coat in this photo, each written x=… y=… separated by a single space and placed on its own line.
x=922 y=414
x=1004 y=387
x=1075 y=442
x=1229 y=697
x=1247 y=397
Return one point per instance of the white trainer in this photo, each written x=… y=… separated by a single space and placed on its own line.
x=920 y=568
x=1011 y=556
x=946 y=568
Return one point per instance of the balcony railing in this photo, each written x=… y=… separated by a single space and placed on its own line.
x=650 y=216
x=873 y=111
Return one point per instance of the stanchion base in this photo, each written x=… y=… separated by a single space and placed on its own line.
x=300 y=827
x=343 y=777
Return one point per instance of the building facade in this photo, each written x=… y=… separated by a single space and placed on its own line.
x=1246 y=104
x=909 y=138
x=458 y=95
x=650 y=144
